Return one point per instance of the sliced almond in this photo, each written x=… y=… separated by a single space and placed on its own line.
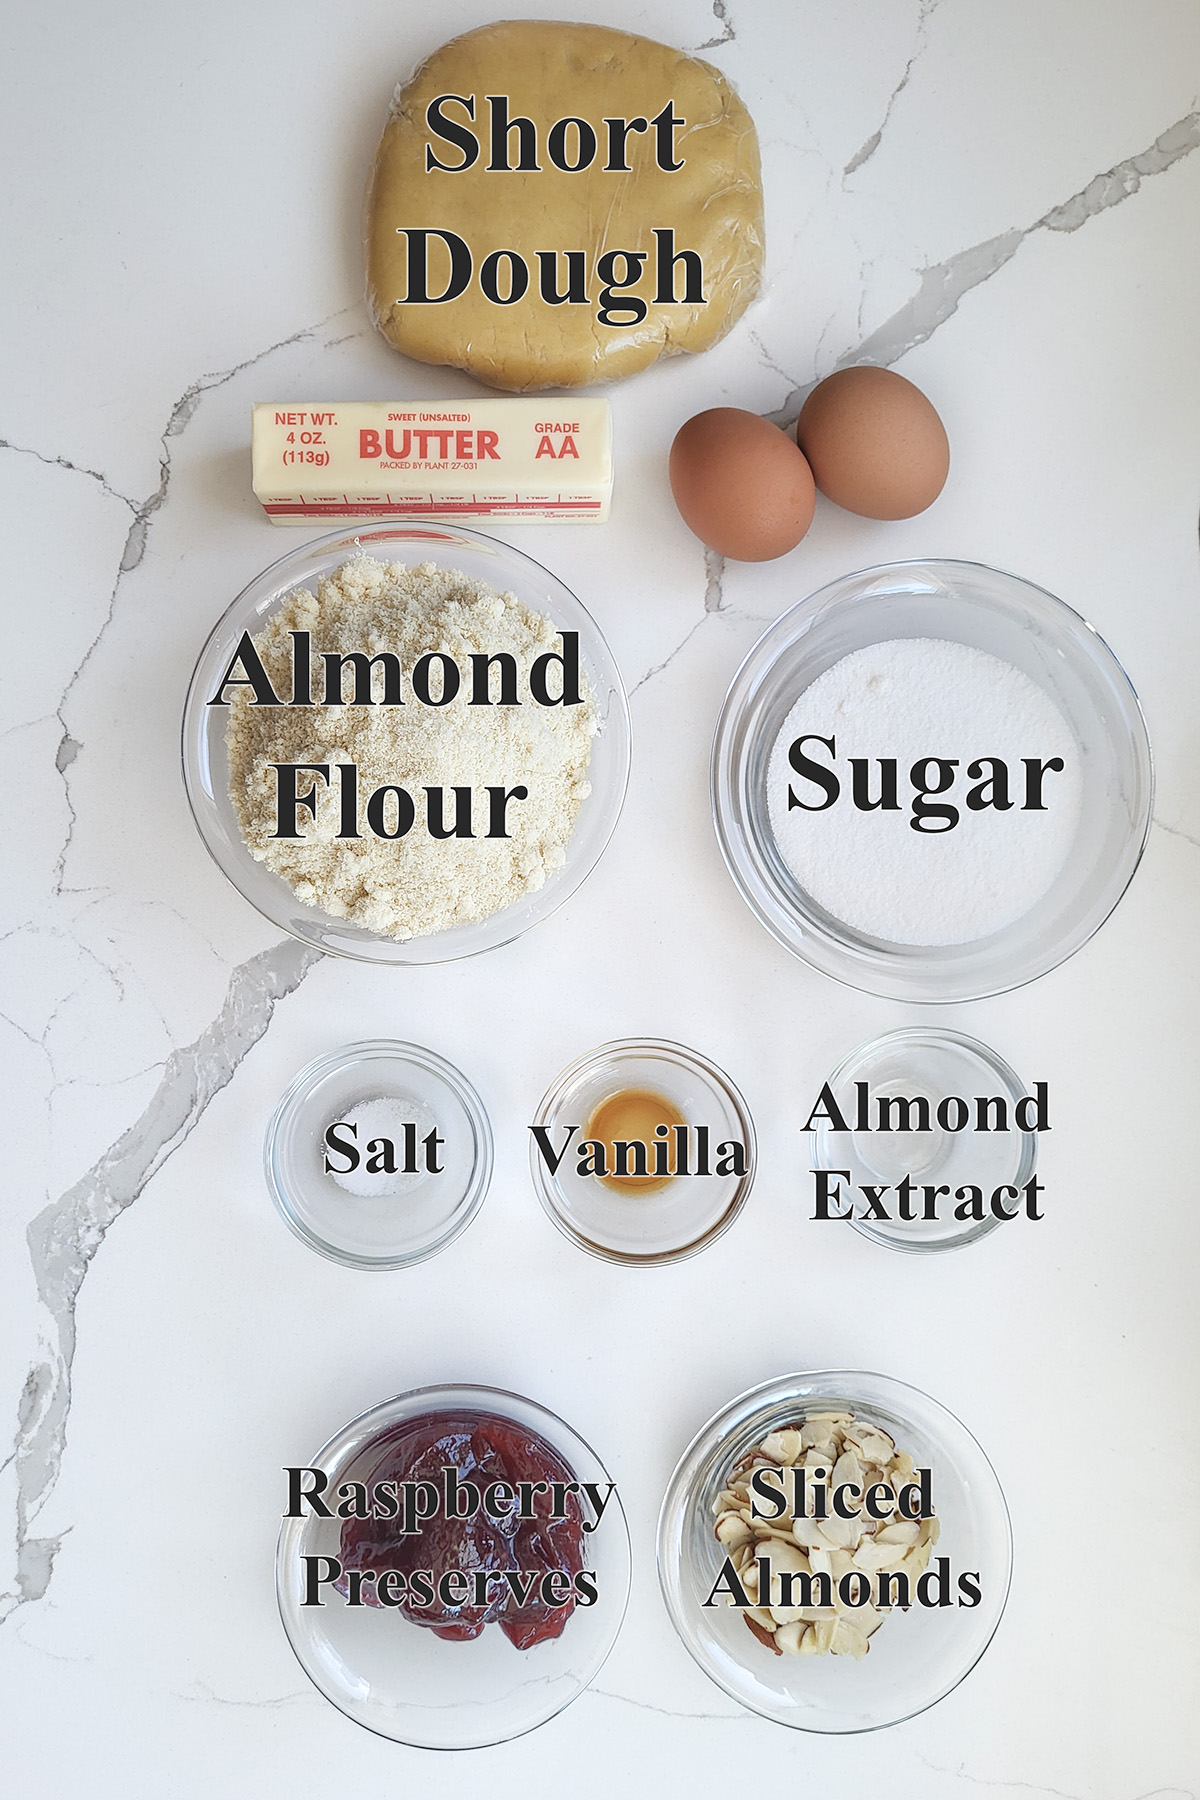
x=808 y=1531
x=782 y=1446
x=846 y=1469
x=871 y=1441
x=847 y=1452
x=763 y=1633
x=872 y=1556
x=821 y=1560
x=848 y=1640
x=839 y=1534
x=899 y=1532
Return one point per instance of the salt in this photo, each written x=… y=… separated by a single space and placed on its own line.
x=382 y=1116
x=913 y=699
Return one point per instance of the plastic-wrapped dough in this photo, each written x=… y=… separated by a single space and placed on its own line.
x=633 y=230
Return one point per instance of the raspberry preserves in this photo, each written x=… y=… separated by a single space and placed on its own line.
x=501 y=1555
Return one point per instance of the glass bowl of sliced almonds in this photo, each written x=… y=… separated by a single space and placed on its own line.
x=835 y=1551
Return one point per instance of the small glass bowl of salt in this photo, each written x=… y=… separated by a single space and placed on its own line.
x=932 y=781
x=379 y=1154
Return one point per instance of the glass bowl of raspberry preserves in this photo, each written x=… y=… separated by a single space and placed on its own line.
x=471 y=1575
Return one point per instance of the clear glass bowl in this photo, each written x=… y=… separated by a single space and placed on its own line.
x=206 y=767
x=916 y=1657
x=923 y=1062
x=668 y=1223
x=397 y=1678
x=1020 y=624
x=410 y=1216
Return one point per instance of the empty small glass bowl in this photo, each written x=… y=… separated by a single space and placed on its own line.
x=396 y=1677
x=206 y=761
x=662 y=1224
x=1019 y=624
x=382 y=1220
x=916 y=1657
x=926 y=1065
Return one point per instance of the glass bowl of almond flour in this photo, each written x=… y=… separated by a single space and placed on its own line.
x=406 y=745
x=932 y=781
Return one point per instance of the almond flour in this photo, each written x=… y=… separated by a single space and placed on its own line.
x=417 y=884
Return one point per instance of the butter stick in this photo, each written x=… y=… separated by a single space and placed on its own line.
x=548 y=459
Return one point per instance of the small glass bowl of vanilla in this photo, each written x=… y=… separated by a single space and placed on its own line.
x=642 y=1152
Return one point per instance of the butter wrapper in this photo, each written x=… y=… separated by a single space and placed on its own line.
x=547 y=459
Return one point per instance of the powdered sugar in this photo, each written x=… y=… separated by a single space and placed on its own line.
x=901 y=873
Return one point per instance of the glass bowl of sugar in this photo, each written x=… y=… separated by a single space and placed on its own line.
x=932 y=781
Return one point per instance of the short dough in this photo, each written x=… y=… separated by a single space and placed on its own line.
x=550 y=71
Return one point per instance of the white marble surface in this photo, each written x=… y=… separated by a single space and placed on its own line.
x=1001 y=200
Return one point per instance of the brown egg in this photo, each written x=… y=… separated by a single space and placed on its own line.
x=741 y=484
x=875 y=444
